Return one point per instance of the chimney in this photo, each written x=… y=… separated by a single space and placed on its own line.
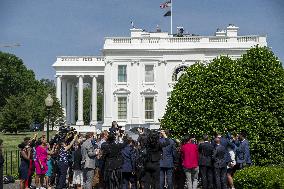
x=158 y=29
x=232 y=30
x=220 y=33
x=136 y=32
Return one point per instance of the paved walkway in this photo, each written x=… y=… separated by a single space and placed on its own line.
x=12 y=186
x=16 y=185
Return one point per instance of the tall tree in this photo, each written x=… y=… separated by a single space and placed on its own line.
x=16 y=114
x=245 y=94
x=22 y=96
x=15 y=78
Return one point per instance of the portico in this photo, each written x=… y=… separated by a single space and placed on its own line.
x=68 y=83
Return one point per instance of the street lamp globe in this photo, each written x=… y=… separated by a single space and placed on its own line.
x=48 y=101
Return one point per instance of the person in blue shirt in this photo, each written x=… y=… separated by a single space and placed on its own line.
x=167 y=162
x=243 y=152
x=128 y=166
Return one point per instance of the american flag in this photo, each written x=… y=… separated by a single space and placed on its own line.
x=165 y=5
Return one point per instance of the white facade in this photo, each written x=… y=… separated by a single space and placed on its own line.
x=139 y=73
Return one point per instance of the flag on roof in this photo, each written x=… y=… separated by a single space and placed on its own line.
x=169 y=13
x=166 y=4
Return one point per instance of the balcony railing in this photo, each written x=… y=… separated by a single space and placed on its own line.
x=80 y=58
x=193 y=39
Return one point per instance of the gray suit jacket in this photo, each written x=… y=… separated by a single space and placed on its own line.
x=88 y=154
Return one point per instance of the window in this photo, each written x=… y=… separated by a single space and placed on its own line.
x=122 y=74
x=122 y=107
x=178 y=72
x=149 y=73
x=149 y=108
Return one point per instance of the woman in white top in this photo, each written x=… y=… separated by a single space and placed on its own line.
x=231 y=168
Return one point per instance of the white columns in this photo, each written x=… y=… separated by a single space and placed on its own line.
x=80 y=101
x=94 y=100
x=64 y=97
x=72 y=104
x=135 y=94
x=58 y=87
x=108 y=93
x=68 y=110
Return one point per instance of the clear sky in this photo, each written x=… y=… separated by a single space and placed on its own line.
x=49 y=28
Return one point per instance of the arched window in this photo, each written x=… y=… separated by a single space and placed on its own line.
x=178 y=72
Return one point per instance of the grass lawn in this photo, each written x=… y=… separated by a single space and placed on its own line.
x=11 y=141
x=11 y=153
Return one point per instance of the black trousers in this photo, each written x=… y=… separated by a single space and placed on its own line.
x=128 y=177
x=152 y=175
x=1 y=176
x=206 y=176
x=221 y=177
x=113 y=179
x=62 y=172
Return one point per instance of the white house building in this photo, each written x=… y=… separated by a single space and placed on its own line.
x=139 y=72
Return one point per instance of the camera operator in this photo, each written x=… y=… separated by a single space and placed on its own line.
x=63 y=162
x=111 y=154
x=153 y=155
x=114 y=128
x=128 y=167
x=167 y=163
x=141 y=150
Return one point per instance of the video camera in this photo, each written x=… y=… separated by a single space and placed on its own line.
x=66 y=133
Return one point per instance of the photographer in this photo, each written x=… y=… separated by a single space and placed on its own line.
x=153 y=155
x=128 y=167
x=114 y=128
x=63 y=162
x=1 y=163
x=113 y=162
x=167 y=163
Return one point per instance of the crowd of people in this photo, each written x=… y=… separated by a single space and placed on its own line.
x=113 y=160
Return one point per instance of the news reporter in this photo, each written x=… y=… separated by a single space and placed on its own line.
x=154 y=149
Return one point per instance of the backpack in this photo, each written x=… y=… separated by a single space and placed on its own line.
x=8 y=179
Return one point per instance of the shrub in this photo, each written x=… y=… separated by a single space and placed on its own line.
x=244 y=94
x=260 y=177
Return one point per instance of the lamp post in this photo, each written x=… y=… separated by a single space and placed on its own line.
x=48 y=103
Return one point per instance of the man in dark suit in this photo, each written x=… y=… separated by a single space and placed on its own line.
x=224 y=141
x=220 y=165
x=167 y=163
x=152 y=163
x=205 y=150
x=243 y=152
x=112 y=157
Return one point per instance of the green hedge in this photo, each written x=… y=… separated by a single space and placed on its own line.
x=260 y=177
x=242 y=95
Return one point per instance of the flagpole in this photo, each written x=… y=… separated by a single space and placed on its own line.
x=171 y=16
